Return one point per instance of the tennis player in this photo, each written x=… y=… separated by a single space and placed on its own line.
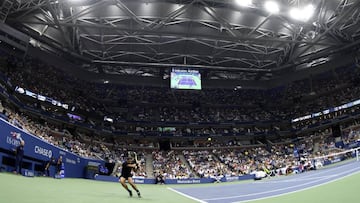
x=126 y=175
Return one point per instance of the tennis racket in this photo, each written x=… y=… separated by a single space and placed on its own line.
x=135 y=157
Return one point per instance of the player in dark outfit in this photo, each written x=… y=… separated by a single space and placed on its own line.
x=59 y=165
x=19 y=157
x=48 y=164
x=126 y=175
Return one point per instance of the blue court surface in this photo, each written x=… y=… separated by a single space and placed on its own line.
x=270 y=187
x=187 y=81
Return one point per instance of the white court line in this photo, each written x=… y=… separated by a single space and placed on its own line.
x=309 y=175
x=293 y=180
x=281 y=189
x=326 y=170
x=307 y=188
x=188 y=196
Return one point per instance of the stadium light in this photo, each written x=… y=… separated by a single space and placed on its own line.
x=309 y=11
x=303 y=14
x=244 y=3
x=272 y=7
x=295 y=13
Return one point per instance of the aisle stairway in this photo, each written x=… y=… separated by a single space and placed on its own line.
x=316 y=147
x=149 y=165
x=184 y=161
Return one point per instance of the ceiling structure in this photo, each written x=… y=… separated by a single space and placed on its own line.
x=218 y=37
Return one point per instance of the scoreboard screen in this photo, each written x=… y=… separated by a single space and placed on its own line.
x=185 y=79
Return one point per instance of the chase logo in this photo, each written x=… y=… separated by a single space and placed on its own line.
x=43 y=151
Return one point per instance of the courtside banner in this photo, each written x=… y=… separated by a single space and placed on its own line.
x=152 y=180
x=237 y=178
x=116 y=179
x=189 y=181
x=41 y=150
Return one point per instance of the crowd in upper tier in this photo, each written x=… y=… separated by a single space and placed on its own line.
x=154 y=104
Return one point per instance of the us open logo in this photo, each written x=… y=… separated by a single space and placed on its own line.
x=12 y=141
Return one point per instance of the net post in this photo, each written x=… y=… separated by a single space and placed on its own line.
x=357 y=154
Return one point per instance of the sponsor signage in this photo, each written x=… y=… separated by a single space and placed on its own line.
x=40 y=150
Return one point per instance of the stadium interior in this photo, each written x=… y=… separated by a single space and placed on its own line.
x=258 y=85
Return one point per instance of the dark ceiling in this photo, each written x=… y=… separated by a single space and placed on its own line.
x=222 y=39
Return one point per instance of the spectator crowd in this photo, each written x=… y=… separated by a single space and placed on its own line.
x=219 y=112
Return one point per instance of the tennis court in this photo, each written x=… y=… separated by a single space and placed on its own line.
x=334 y=184
x=270 y=187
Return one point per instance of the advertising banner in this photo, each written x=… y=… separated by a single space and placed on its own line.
x=36 y=148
